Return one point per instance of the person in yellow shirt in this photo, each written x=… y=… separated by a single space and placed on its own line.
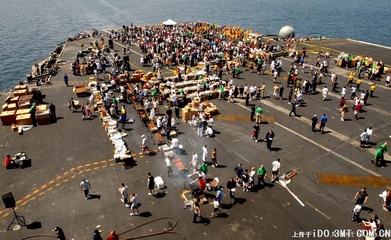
x=215 y=68
x=358 y=84
x=372 y=89
x=350 y=79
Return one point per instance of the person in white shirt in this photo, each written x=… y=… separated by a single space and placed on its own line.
x=343 y=91
x=175 y=144
x=124 y=193
x=169 y=166
x=369 y=131
x=276 y=165
x=194 y=162
x=204 y=153
x=209 y=131
x=85 y=186
x=325 y=91
x=144 y=145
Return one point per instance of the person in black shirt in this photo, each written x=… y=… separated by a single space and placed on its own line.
x=231 y=188
x=269 y=139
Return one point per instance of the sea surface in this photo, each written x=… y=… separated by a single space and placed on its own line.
x=31 y=29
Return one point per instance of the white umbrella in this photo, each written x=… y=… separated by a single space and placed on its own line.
x=169 y=22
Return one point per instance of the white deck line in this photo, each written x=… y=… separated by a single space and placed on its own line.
x=368 y=43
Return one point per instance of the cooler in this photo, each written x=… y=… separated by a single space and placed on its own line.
x=159 y=183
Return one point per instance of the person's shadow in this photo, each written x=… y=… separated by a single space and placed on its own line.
x=93 y=196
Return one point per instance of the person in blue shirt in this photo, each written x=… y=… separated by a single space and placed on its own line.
x=323 y=121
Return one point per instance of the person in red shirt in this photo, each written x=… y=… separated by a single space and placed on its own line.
x=357 y=109
x=113 y=236
x=8 y=163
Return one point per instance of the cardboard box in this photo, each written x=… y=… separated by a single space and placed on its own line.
x=24 y=119
x=14 y=127
x=8 y=117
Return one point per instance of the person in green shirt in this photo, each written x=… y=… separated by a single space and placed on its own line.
x=154 y=93
x=384 y=150
x=378 y=157
x=258 y=114
x=204 y=168
x=261 y=175
x=221 y=92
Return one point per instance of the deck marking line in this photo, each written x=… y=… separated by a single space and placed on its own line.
x=335 y=134
x=318 y=210
x=329 y=150
x=241 y=157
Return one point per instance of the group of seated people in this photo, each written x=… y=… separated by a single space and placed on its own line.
x=374 y=224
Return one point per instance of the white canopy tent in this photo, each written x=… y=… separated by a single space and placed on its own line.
x=169 y=22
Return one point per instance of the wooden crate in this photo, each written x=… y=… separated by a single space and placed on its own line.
x=22 y=87
x=12 y=99
x=25 y=104
x=8 y=117
x=43 y=117
x=26 y=98
x=22 y=111
x=22 y=92
x=24 y=119
x=12 y=106
x=80 y=90
x=41 y=107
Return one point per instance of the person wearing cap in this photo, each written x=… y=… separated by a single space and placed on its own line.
x=96 y=235
x=144 y=145
x=59 y=233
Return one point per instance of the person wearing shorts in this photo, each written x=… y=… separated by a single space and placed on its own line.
x=216 y=208
x=275 y=169
x=135 y=204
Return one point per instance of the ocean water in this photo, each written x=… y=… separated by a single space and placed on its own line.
x=31 y=29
